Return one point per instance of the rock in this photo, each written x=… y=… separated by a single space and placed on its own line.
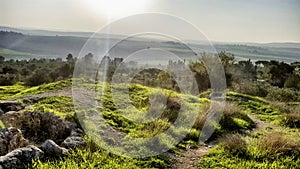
x=7 y=106
x=77 y=132
x=51 y=149
x=73 y=142
x=10 y=119
x=20 y=157
x=38 y=126
x=11 y=139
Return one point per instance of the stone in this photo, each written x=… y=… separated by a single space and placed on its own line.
x=10 y=139
x=77 y=132
x=21 y=157
x=51 y=149
x=73 y=142
x=39 y=126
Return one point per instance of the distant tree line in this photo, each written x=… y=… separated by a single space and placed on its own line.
x=271 y=79
x=34 y=72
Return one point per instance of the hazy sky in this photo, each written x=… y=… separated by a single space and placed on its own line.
x=220 y=20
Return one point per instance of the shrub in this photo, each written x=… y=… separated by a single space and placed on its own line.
x=251 y=88
x=282 y=95
x=37 y=78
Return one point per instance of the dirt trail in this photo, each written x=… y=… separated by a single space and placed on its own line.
x=260 y=125
x=191 y=157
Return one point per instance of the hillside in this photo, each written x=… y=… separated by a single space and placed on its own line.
x=240 y=136
x=47 y=44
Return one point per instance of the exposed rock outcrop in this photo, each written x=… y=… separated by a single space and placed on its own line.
x=52 y=150
x=19 y=158
x=38 y=126
x=73 y=142
x=11 y=139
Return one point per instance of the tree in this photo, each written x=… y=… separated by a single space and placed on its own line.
x=2 y=58
x=70 y=58
x=279 y=72
x=37 y=78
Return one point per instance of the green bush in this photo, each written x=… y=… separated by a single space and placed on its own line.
x=283 y=95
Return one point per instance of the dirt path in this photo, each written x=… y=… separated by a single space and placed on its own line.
x=260 y=125
x=191 y=157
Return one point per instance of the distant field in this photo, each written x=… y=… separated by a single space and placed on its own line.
x=8 y=52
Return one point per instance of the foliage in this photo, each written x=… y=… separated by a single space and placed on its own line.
x=35 y=71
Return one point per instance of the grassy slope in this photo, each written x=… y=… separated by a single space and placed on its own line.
x=274 y=148
x=19 y=90
x=8 y=52
x=219 y=157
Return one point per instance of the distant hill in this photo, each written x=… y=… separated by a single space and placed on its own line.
x=20 y=43
x=45 y=32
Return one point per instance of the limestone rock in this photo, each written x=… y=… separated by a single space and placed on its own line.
x=51 y=149
x=11 y=139
x=73 y=142
x=20 y=158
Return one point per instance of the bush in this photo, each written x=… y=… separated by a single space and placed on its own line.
x=37 y=78
x=282 y=95
x=251 y=88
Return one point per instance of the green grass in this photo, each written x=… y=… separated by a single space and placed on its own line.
x=7 y=92
x=59 y=105
x=257 y=106
x=266 y=149
x=94 y=157
x=120 y=116
x=19 y=90
x=8 y=52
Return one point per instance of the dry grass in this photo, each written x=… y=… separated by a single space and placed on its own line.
x=202 y=116
x=234 y=144
x=291 y=114
x=230 y=109
x=277 y=144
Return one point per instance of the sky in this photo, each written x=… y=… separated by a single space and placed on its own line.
x=219 y=20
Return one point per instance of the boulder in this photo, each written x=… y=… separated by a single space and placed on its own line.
x=51 y=149
x=74 y=142
x=10 y=139
x=20 y=158
x=38 y=126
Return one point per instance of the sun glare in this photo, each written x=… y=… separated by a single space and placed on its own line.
x=116 y=8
